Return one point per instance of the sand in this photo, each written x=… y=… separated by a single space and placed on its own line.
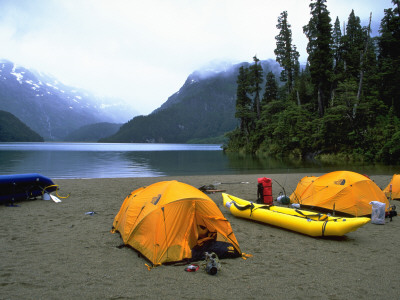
x=57 y=251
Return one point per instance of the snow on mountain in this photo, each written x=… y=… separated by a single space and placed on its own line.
x=51 y=108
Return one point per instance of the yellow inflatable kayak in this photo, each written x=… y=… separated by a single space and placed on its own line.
x=306 y=222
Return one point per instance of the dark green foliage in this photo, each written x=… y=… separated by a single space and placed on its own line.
x=286 y=53
x=255 y=79
x=338 y=60
x=319 y=34
x=352 y=45
x=391 y=150
x=13 y=130
x=244 y=109
x=389 y=58
x=346 y=101
x=271 y=89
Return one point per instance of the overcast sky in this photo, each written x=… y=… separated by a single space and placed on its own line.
x=143 y=50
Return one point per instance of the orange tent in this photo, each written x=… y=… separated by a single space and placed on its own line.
x=342 y=191
x=301 y=186
x=170 y=221
x=395 y=184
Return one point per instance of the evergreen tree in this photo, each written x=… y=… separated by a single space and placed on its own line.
x=256 y=79
x=271 y=89
x=361 y=75
x=389 y=58
x=353 y=44
x=318 y=32
x=364 y=53
x=337 y=47
x=286 y=53
x=305 y=89
x=370 y=68
x=338 y=62
x=243 y=102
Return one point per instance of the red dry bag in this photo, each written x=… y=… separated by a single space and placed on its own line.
x=264 y=191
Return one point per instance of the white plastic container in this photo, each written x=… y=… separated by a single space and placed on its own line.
x=378 y=212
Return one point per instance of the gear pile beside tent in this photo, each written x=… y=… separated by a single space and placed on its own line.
x=170 y=221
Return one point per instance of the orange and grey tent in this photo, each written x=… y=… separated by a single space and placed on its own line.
x=392 y=191
x=170 y=221
x=341 y=191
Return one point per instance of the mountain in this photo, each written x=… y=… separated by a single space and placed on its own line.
x=203 y=110
x=92 y=132
x=13 y=130
x=51 y=108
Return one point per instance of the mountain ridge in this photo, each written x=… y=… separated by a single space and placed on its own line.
x=13 y=129
x=203 y=109
x=223 y=69
x=49 y=107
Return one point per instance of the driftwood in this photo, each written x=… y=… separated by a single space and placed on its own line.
x=209 y=189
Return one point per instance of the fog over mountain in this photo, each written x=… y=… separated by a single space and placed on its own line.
x=51 y=108
x=143 y=51
x=201 y=111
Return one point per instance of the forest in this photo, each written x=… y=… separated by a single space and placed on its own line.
x=13 y=130
x=343 y=105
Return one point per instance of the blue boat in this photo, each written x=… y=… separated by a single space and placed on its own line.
x=24 y=186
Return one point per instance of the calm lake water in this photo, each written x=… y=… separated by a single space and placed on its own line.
x=97 y=160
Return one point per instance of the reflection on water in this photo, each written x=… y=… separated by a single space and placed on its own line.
x=255 y=164
x=112 y=147
x=91 y=160
x=109 y=164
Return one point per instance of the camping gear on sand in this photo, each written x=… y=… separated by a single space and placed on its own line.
x=392 y=191
x=302 y=221
x=341 y=191
x=170 y=221
x=378 y=213
x=192 y=268
x=264 y=191
x=24 y=186
x=212 y=264
x=283 y=199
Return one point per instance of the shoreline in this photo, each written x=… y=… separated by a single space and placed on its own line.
x=55 y=251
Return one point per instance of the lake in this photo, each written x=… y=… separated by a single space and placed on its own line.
x=105 y=160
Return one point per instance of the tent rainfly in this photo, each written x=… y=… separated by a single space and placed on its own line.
x=341 y=191
x=170 y=221
x=301 y=187
x=392 y=190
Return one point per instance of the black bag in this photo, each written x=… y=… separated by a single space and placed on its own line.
x=260 y=193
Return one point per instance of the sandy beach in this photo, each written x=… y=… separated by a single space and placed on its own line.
x=57 y=251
